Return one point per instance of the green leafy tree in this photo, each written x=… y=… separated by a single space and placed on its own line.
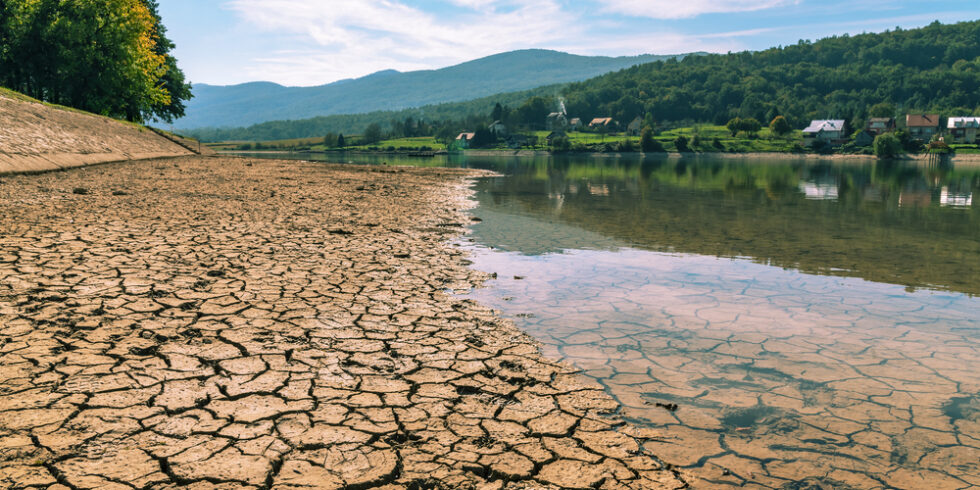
x=341 y=142
x=681 y=143
x=883 y=109
x=104 y=56
x=780 y=126
x=372 y=134
x=751 y=125
x=560 y=144
x=887 y=146
x=534 y=112
x=649 y=144
x=173 y=80
x=498 y=112
x=734 y=126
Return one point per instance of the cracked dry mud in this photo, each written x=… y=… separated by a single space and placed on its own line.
x=218 y=323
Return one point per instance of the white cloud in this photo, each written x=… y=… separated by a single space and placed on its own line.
x=348 y=38
x=674 y=9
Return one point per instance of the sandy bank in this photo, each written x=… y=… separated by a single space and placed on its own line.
x=36 y=138
x=223 y=323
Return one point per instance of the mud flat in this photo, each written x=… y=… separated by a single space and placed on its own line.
x=221 y=323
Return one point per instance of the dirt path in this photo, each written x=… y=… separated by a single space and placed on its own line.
x=213 y=323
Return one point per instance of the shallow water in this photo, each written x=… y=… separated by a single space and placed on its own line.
x=785 y=323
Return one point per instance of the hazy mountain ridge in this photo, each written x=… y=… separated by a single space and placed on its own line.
x=389 y=90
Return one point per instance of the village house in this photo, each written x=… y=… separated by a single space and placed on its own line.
x=830 y=131
x=498 y=128
x=964 y=129
x=635 y=127
x=878 y=126
x=575 y=123
x=603 y=122
x=465 y=139
x=555 y=121
x=922 y=126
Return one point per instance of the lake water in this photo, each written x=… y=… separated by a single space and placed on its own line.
x=785 y=324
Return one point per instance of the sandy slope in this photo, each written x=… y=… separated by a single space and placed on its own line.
x=35 y=137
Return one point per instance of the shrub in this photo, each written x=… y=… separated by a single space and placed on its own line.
x=649 y=144
x=780 y=126
x=887 y=145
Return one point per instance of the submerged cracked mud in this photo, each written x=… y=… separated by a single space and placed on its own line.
x=219 y=323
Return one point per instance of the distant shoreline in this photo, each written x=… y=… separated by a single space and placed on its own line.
x=968 y=158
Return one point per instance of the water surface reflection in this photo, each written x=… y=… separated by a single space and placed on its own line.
x=785 y=324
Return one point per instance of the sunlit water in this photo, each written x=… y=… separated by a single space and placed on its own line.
x=785 y=324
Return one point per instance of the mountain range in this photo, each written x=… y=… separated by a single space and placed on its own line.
x=257 y=102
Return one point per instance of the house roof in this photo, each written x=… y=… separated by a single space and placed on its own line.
x=819 y=125
x=601 y=120
x=922 y=120
x=963 y=122
x=576 y=120
x=465 y=136
x=556 y=114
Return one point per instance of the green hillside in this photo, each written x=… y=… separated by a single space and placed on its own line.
x=252 y=103
x=453 y=117
x=935 y=68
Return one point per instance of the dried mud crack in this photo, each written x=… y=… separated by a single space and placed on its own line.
x=218 y=323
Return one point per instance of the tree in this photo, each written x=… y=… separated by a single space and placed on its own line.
x=649 y=144
x=341 y=142
x=373 y=134
x=780 y=126
x=748 y=125
x=330 y=140
x=560 y=144
x=498 y=113
x=104 y=56
x=883 y=109
x=887 y=146
x=751 y=125
x=734 y=126
x=481 y=138
x=681 y=143
x=173 y=78
x=534 y=112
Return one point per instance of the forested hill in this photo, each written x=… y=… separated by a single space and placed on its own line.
x=452 y=116
x=935 y=68
x=247 y=104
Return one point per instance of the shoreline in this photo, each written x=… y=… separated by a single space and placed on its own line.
x=966 y=158
x=271 y=323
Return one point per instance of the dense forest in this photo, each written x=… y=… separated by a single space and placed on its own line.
x=110 y=57
x=931 y=69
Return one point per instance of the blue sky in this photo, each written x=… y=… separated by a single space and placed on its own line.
x=312 y=42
